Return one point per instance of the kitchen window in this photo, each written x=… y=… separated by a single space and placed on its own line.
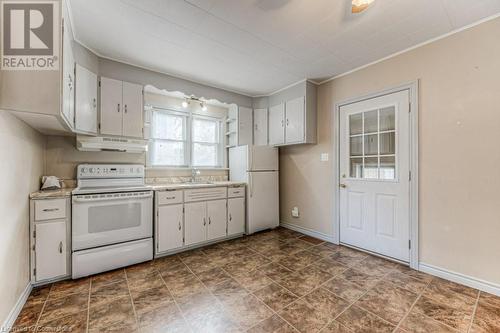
x=182 y=139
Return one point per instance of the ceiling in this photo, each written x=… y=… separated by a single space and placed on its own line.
x=256 y=47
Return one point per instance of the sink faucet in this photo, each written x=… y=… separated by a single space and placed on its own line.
x=194 y=174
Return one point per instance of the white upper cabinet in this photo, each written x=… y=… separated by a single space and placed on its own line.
x=68 y=79
x=245 y=126
x=260 y=127
x=277 y=124
x=85 y=101
x=121 y=108
x=292 y=116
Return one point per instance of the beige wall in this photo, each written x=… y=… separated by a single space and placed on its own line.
x=21 y=167
x=459 y=155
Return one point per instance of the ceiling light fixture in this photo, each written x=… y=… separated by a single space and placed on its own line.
x=359 y=5
x=185 y=104
x=203 y=106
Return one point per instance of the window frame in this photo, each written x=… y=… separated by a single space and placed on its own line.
x=189 y=142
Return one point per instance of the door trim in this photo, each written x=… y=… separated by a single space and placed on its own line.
x=412 y=87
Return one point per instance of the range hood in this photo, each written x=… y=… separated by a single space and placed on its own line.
x=110 y=143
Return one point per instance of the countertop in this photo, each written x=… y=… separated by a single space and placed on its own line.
x=181 y=186
x=50 y=194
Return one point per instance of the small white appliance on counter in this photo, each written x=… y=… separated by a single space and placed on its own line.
x=112 y=223
x=258 y=166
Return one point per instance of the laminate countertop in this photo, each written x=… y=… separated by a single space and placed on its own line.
x=51 y=194
x=182 y=186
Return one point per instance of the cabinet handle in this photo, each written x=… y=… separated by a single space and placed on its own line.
x=281 y=122
x=51 y=209
x=179 y=225
x=230 y=217
x=287 y=122
x=94 y=103
x=209 y=221
x=170 y=198
x=60 y=247
x=118 y=109
x=204 y=221
x=125 y=108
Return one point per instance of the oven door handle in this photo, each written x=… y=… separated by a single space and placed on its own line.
x=113 y=198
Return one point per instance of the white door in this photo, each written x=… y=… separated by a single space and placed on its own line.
x=170 y=227
x=132 y=110
x=235 y=216
x=263 y=201
x=295 y=120
x=68 y=80
x=374 y=175
x=216 y=214
x=195 y=222
x=85 y=101
x=277 y=124
x=260 y=127
x=111 y=106
x=245 y=127
x=50 y=249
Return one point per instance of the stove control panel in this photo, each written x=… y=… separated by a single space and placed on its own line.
x=110 y=171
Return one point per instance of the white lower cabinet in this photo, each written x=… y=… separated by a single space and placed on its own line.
x=195 y=221
x=235 y=216
x=170 y=227
x=216 y=214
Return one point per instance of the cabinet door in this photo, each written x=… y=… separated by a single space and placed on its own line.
x=132 y=110
x=245 y=127
x=235 y=216
x=111 y=106
x=170 y=227
x=216 y=213
x=260 y=127
x=50 y=249
x=68 y=80
x=295 y=120
x=85 y=101
x=195 y=223
x=276 y=124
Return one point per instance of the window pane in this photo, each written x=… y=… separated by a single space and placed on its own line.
x=168 y=126
x=387 y=143
x=356 y=168
x=371 y=144
x=371 y=121
x=205 y=130
x=204 y=155
x=371 y=168
x=356 y=124
x=357 y=146
x=168 y=153
x=387 y=119
x=388 y=167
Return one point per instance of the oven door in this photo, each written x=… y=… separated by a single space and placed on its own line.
x=110 y=218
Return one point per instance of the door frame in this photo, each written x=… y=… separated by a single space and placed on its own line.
x=412 y=87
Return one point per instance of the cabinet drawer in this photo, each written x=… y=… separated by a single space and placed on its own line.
x=236 y=192
x=205 y=194
x=169 y=197
x=50 y=209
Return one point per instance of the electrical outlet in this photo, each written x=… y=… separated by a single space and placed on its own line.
x=295 y=212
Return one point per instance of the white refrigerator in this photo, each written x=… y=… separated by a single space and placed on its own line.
x=257 y=166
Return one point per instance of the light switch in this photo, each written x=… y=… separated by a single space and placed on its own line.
x=324 y=157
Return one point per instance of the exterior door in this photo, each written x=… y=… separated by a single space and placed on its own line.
x=111 y=107
x=216 y=213
x=260 y=127
x=277 y=125
x=235 y=216
x=170 y=227
x=195 y=222
x=374 y=175
x=295 y=122
x=50 y=249
x=132 y=110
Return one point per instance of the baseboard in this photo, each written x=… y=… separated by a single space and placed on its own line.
x=11 y=318
x=469 y=281
x=308 y=232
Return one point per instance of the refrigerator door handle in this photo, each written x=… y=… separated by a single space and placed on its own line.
x=251 y=186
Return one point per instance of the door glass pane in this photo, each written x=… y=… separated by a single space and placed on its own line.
x=371 y=144
x=371 y=121
x=387 y=143
x=114 y=217
x=357 y=146
x=356 y=168
x=371 y=168
x=356 y=123
x=388 y=167
x=387 y=119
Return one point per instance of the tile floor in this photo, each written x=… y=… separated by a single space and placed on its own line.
x=277 y=281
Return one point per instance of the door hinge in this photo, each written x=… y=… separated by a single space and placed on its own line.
x=409 y=244
x=409 y=176
x=34 y=271
x=34 y=233
x=33 y=247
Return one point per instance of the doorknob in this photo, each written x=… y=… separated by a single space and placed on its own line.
x=343 y=185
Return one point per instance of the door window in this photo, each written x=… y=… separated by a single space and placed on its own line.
x=372 y=144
